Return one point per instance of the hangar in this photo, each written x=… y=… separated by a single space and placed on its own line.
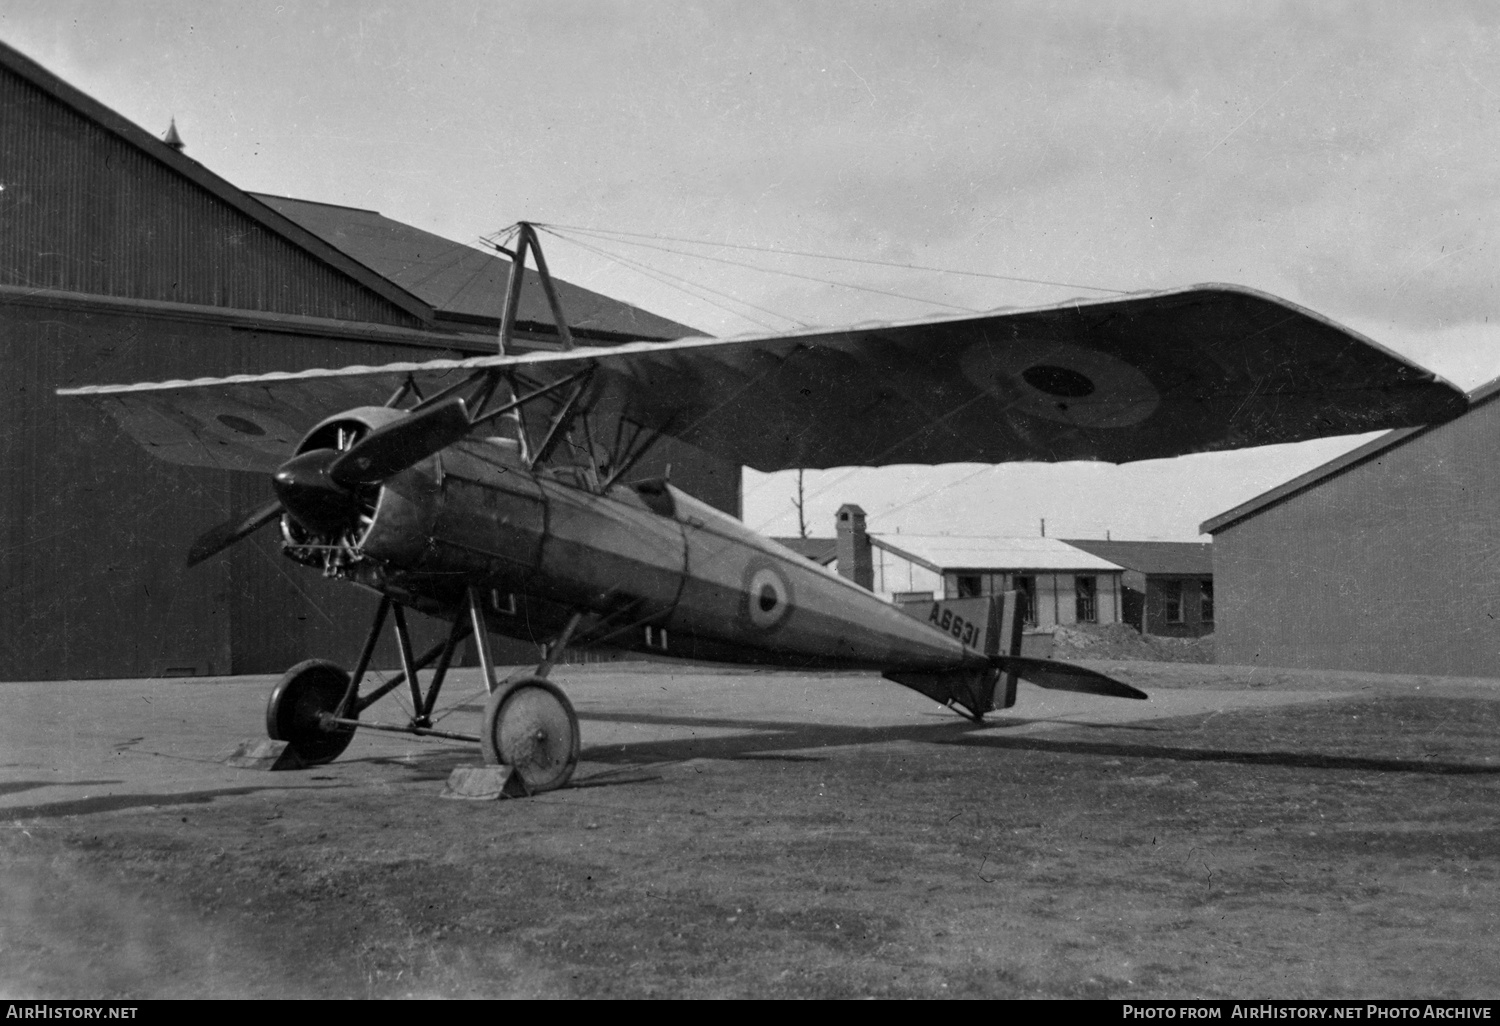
x=1385 y=559
x=122 y=259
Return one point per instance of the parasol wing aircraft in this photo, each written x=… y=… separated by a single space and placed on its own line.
x=491 y=491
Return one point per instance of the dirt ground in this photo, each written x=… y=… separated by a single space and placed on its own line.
x=1122 y=642
x=1246 y=834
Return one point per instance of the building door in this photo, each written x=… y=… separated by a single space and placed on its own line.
x=1026 y=595
x=1086 y=599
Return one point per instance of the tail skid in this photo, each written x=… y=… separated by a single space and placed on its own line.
x=971 y=692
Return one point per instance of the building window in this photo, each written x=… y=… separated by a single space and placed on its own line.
x=1171 y=593
x=968 y=585
x=1086 y=596
x=1206 y=601
x=1026 y=595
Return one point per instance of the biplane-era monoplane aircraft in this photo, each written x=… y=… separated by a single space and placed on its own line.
x=495 y=492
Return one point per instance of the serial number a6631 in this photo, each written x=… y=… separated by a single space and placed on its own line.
x=966 y=631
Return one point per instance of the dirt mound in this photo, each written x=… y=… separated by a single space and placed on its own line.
x=1121 y=641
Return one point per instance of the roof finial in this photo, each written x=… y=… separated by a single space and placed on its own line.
x=172 y=139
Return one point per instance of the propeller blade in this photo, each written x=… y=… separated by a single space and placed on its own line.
x=388 y=450
x=1047 y=673
x=217 y=539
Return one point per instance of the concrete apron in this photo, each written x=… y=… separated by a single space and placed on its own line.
x=81 y=747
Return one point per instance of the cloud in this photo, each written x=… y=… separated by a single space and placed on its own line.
x=1342 y=153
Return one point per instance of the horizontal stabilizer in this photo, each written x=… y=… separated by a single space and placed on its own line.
x=1048 y=673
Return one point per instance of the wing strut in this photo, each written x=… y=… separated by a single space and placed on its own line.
x=626 y=456
x=527 y=241
x=562 y=421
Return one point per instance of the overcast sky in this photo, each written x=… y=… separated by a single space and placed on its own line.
x=1344 y=156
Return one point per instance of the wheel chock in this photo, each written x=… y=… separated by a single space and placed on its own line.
x=264 y=754
x=483 y=783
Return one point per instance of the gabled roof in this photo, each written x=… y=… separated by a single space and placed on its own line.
x=467 y=284
x=1371 y=450
x=820 y=550
x=87 y=107
x=1153 y=557
x=947 y=552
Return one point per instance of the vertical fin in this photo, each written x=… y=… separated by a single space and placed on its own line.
x=1008 y=643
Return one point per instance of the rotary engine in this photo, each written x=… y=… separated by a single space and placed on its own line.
x=327 y=518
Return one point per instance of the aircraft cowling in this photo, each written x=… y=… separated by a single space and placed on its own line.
x=363 y=418
x=324 y=510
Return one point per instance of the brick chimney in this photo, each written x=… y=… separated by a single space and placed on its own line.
x=855 y=562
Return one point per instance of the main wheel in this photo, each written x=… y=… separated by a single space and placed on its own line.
x=531 y=727
x=297 y=704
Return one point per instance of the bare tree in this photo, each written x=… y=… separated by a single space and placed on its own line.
x=801 y=511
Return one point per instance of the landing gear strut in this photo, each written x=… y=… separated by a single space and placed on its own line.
x=529 y=724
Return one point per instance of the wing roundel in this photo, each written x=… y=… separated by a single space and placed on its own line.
x=1141 y=377
x=1145 y=376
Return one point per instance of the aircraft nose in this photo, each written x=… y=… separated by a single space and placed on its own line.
x=312 y=498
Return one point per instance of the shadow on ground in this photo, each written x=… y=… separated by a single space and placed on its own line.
x=788 y=741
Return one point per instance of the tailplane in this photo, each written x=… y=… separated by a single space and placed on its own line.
x=1006 y=657
x=1048 y=673
x=975 y=692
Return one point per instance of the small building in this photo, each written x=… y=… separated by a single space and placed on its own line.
x=1168 y=586
x=1059 y=584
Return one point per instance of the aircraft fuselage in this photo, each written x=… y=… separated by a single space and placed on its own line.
x=658 y=570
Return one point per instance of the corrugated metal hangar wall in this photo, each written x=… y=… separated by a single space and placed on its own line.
x=123 y=260
x=1387 y=559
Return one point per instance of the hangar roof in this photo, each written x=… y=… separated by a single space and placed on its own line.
x=1153 y=557
x=1372 y=449
x=950 y=552
x=156 y=149
x=419 y=273
x=463 y=283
